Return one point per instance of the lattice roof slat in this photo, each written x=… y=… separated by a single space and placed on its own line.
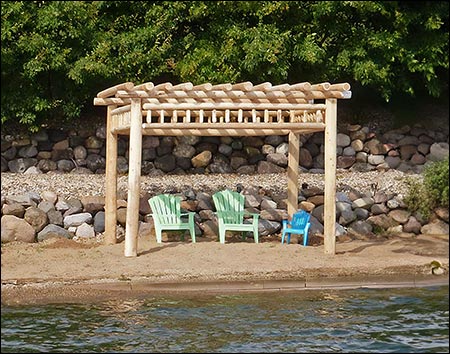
x=239 y=93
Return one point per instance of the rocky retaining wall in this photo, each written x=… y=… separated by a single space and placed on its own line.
x=31 y=217
x=358 y=149
x=34 y=217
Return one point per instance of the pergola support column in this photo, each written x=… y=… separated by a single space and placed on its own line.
x=330 y=176
x=134 y=179
x=292 y=173
x=111 y=181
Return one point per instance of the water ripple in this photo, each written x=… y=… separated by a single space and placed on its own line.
x=363 y=320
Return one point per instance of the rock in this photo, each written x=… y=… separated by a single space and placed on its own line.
x=345 y=161
x=346 y=217
x=237 y=161
x=399 y=215
x=412 y=225
x=47 y=165
x=437 y=227
x=28 y=151
x=55 y=217
x=22 y=164
x=438 y=151
x=33 y=170
x=36 y=217
x=383 y=221
x=93 y=142
x=146 y=229
x=53 y=231
x=210 y=228
x=305 y=158
x=274 y=214
x=268 y=204
x=277 y=159
x=14 y=208
x=77 y=219
x=316 y=227
x=150 y=142
x=25 y=200
x=95 y=162
x=85 y=231
x=365 y=203
x=92 y=204
x=268 y=227
x=122 y=216
x=343 y=140
x=65 y=165
x=184 y=150
x=202 y=160
x=442 y=213
x=166 y=163
x=361 y=228
x=99 y=222
x=16 y=229
x=220 y=167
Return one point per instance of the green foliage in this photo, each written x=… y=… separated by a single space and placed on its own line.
x=436 y=183
x=433 y=192
x=56 y=55
x=417 y=199
x=40 y=43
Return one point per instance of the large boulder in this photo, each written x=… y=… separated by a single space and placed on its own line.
x=16 y=229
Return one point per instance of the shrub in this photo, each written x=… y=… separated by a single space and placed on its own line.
x=436 y=183
x=433 y=192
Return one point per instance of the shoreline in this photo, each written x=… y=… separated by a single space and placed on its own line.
x=42 y=293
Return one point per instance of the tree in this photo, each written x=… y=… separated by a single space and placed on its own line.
x=56 y=55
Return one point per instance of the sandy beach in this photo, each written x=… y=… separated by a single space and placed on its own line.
x=67 y=271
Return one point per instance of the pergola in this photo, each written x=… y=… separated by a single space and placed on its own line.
x=240 y=109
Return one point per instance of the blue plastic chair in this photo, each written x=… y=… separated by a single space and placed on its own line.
x=298 y=225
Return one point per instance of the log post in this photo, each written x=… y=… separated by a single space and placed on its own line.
x=134 y=179
x=330 y=176
x=292 y=173
x=111 y=180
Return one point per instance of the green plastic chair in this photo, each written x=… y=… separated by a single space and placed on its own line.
x=166 y=212
x=230 y=214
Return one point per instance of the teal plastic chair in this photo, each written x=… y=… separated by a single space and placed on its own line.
x=230 y=214
x=298 y=225
x=166 y=212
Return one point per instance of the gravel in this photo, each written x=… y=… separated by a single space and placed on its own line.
x=79 y=185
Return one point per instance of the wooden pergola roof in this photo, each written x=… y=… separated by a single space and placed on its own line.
x=240 y=109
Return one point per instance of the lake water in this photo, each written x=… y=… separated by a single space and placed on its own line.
x=401 y=320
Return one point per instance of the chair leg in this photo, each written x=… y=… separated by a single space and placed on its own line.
x=192 y=231
x=305 y=239
x=222 y=233
x=158 y=232
x=288 y=237
x=283 y=234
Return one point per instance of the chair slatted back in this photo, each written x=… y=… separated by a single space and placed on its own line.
x=166 y=208
x=230 y=206
x=300 y=219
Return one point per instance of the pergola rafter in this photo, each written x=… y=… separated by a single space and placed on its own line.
x=240 y=109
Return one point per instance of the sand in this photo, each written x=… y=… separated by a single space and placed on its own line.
x=66 y=270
